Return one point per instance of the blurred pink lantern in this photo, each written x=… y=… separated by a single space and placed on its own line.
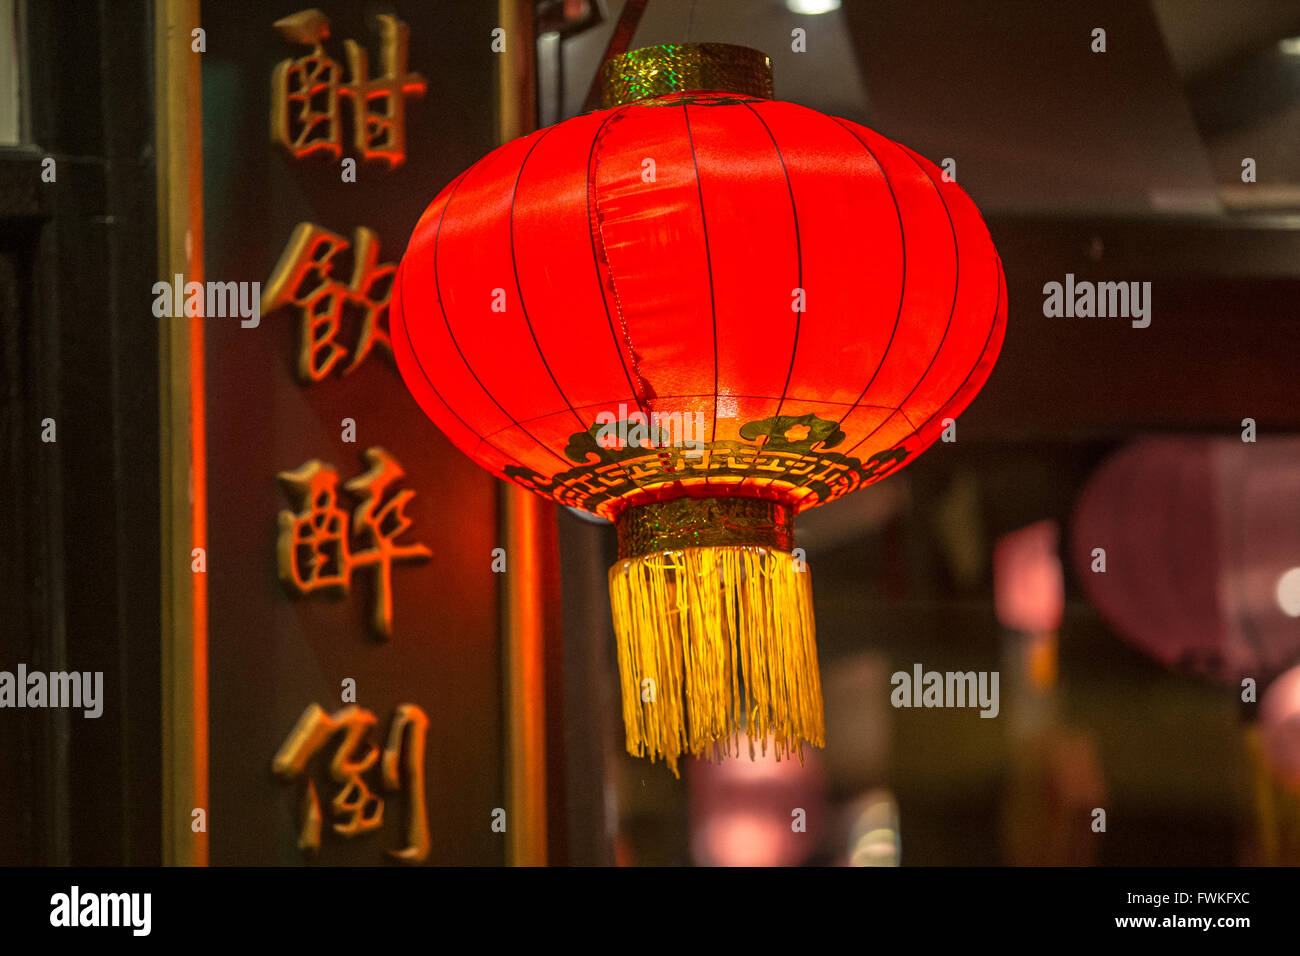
x=1028 y=584
x=1199 y=539
x=764 y=812
x=1279 y=725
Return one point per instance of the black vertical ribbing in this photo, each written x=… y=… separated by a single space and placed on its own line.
x=956 y=285
x=519 y=288
x=595 y=256
x=482 y=440
x=902 y=289
x=437 y=236
x=708 y=265
x=514 y=268
x=997 y=306
x=798 y=248
x=593 y=224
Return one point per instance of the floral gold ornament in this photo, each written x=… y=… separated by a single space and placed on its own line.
x=820 y=297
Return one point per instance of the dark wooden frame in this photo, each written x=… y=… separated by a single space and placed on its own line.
x=79 y=518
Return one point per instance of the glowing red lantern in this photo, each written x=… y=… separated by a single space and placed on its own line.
x=697 y=313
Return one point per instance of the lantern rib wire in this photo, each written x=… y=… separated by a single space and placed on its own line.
x=519 y=288
x=514 y=265
x=447 y=319
x=624 y=349
x=798 y=247
x=708 y=265
x=979 y=359
x=482 y=440
x=902 y=288
x=420 y=365
x=956 y=286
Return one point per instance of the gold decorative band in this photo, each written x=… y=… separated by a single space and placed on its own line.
x=675 y=67
x=703 y=523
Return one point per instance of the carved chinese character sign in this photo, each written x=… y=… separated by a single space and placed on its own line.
x=304 y=279
x=307 y=94
x=342 y=528
x=360 y=808
x=315 y=546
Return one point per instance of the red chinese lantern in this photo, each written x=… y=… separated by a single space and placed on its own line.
x=697 y=312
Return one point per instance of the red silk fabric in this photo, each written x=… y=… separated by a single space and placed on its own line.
x=648 y=257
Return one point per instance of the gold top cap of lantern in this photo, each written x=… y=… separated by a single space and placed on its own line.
x=677 y=67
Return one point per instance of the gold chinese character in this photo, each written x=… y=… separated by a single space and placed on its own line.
x=361 y=808
x=303 y=279
x=409 y=760
x=307 y=93
x=315 y=550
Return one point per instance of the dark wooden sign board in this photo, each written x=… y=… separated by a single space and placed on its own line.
x=271 y=653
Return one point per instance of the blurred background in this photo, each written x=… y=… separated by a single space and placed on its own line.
x=1157 y=689
x=1115 y=529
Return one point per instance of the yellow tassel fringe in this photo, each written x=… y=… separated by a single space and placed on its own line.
x=712 y=641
